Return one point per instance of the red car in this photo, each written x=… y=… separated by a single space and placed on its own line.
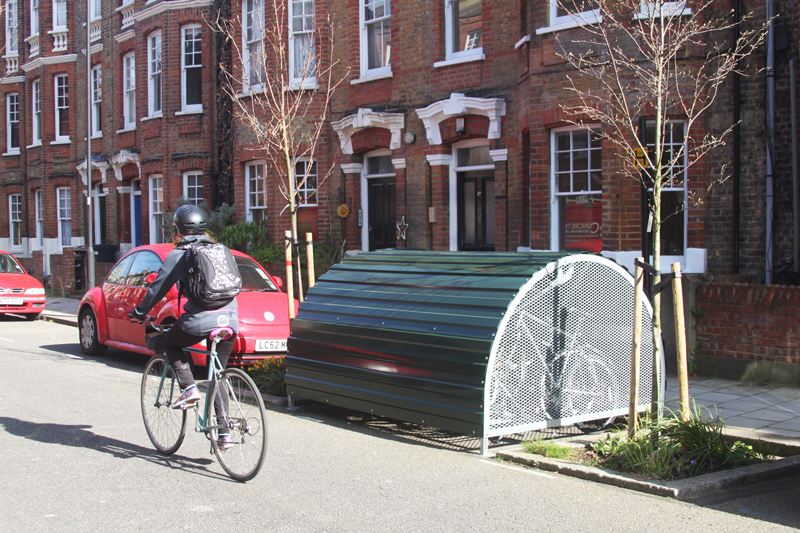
x=20 y=293
x=103 y=313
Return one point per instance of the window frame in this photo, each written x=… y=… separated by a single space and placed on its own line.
x=97 y=101
x=64 y=212
x=129 y=91
x=302 y=198
x=155 y=183
x=38 y=202
x=188 y=187
x=12 y=121
x=95 y=9
x=667 y=259
x=251 y=18
x=198 y=40
x=60 y=27
x=12 y=31
x=34 y=5
x=155 y=77
x=556 y=223
x=61 y=106
x=15 y=222
x=384 y=70
x=309 y=79
x=455 y=55
x=261 y=179
x=36 y=112
x=99 y=213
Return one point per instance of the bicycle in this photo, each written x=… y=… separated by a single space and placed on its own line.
x=239 y=408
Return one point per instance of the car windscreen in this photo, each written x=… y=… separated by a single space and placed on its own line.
x=8 y=265
x=253 y=276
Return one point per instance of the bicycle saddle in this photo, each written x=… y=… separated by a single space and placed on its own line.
x=222 y=333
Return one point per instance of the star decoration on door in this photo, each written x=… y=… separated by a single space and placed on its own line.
x=401 y=228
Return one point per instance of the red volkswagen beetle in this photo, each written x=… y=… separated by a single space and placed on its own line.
x=20 y=293
x=103 y=313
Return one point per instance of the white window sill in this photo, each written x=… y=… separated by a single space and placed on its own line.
x=459 y=60
x=309 y=85
x=15 y=152
x=58 y=30
x=34 y=145
x=670 y=10
x=576 y=22
x=372 y=77
x=56 y=143
x=522 y=41
x=126 y=130
x=11 y=56
x=250 y=91
x=145 y=119
x=189 y=112
x=97 y=136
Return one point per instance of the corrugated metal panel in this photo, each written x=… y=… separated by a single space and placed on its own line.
x=407 y=334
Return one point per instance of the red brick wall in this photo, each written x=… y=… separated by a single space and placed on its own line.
x=752 y=322
x=62 y=271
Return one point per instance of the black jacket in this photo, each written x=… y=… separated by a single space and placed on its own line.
x=196 y=318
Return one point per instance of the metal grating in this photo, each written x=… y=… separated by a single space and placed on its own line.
x=563 y=350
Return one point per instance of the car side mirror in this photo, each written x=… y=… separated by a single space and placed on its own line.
x=151 y=277
x=278 y=281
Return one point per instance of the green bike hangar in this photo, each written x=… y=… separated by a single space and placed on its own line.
x=484 y=344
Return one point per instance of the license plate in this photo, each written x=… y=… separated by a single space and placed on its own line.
x=16 y=301
x=263 y=345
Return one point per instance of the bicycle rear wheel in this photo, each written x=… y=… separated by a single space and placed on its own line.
x=165 y=426
x=246 y=421
x=591 y=387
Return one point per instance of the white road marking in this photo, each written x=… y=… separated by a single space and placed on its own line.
x=7 y=340
x=311 y=419
x=527 y=471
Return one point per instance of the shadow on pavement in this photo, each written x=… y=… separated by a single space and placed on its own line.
x=775 y=501
x=114 y=358
x=79 y=436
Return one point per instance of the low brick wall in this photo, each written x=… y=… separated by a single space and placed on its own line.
x=62 y=271
x=754 y=330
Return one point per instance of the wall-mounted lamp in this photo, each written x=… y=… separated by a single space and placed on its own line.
x=461 y=129
x=409 y=137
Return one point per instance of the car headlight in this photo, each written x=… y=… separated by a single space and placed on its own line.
x=34 y=291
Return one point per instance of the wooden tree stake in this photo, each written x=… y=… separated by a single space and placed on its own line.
x=310 y=259
x=680 y=340
x=289 y=281
x=638 y=296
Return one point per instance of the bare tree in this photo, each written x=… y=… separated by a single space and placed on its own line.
x=663 y=60
x=283 y=91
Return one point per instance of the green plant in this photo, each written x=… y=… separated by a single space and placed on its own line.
x=692 y=367
x=268 y=374
x=325 y=256
x=547 y=448
x=669 y=448
x=218 y=219
x=697 y=313
x=250 y=238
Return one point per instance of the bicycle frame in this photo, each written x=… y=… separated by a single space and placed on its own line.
x=214 y=368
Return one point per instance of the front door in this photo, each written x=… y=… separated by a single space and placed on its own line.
x=381 y=207
x=475 y=211
x=137 y=220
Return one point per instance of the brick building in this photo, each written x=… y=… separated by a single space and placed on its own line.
x=448 y=124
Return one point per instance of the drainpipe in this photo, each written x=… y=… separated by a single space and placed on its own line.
x=736 y=142
x=795 y=180
x=768 y=267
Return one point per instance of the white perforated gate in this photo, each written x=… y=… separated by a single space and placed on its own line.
x=563 y=350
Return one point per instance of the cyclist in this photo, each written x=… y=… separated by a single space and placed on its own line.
x=197 y=321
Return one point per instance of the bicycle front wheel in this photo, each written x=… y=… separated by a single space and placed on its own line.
x=165 y=426
x=590 y=388
x=239 y=409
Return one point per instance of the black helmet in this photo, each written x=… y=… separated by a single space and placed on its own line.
x=189 y=220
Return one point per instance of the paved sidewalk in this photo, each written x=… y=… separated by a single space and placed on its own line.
x=751 y=410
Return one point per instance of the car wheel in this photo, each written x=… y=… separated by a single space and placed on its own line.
x=87 y=329
x=30 y=317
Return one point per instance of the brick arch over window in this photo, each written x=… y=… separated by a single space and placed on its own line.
x=457 y=105
x=475 y=127
x=370 y=139
x=366 y=119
